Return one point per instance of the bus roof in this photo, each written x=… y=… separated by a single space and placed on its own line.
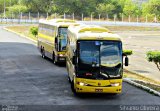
x=58 y=22
x=89 y=32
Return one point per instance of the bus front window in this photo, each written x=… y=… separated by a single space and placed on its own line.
x=88 y=65
x=62 y=38
x=111 y=58
x=99 y=59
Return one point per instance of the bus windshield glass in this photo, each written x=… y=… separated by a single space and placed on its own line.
x=100 y=59
x=62 y=38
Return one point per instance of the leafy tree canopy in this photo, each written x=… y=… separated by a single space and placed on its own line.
x=154 y=56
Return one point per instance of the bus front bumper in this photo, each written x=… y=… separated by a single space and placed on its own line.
x=90 y=89
x=60 y=59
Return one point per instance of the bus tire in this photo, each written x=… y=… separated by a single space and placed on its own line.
x=74 y=91
x=73 y=88
x=113 y=94
x=69 y=80
x=54 y=59
x=43 y=53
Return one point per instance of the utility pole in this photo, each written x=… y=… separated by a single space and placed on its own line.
x=10 y=3
x=73 y=16
x=10 y=11
x=19 y=12
x=82 y=16
x=4 y=14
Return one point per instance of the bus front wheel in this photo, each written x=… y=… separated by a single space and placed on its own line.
x=54 y=59
x=69 y=80
x=72 y=87
x=73 y=90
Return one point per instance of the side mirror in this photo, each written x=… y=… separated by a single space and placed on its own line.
x=123 y=54
x=74 y=60
x=126 y=61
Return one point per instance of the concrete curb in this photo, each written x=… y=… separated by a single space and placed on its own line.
x=130 y=81
x=35 y=42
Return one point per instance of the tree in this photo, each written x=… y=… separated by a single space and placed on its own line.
x=39 y=5
x=105 y=9
x=17 y=9
x=131 y=8
x=76 y=6
x=154 y=56
x=8 y=3
x=151 y=8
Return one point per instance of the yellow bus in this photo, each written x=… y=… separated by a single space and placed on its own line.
x=94 y=60
x=52 y=38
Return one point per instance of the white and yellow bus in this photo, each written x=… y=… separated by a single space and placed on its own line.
x=94 y=60
x=52 y=38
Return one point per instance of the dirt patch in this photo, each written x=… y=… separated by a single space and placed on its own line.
x=132 y=28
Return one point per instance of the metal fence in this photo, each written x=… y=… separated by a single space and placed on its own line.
x=34 y=18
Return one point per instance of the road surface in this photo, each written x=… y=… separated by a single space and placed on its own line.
x=27 y=79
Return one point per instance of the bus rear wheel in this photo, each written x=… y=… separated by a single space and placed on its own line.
x=43 y=53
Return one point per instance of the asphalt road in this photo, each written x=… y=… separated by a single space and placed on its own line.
x=27 y=79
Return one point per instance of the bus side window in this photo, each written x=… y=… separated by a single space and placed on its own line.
x=68 y=40
x=59 y=32
x=53 y=33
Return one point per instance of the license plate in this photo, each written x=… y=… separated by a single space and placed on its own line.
x=98 y=90
x=62 y=59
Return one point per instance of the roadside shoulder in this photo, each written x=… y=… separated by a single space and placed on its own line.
x=5 y=28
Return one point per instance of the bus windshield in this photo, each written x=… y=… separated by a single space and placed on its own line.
x=62 y=38
x=100 y=59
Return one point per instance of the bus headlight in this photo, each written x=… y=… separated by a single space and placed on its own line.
x=82 y=84
x=115 y=84
x=61 y=55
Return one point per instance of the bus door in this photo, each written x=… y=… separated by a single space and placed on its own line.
x=61 y=39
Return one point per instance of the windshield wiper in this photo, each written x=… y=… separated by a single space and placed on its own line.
x=105 y=74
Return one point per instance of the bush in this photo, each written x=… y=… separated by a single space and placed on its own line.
x=154 y=56
x=34 y=31
x=127 y=52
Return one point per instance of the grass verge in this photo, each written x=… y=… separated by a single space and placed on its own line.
x=24 y=30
